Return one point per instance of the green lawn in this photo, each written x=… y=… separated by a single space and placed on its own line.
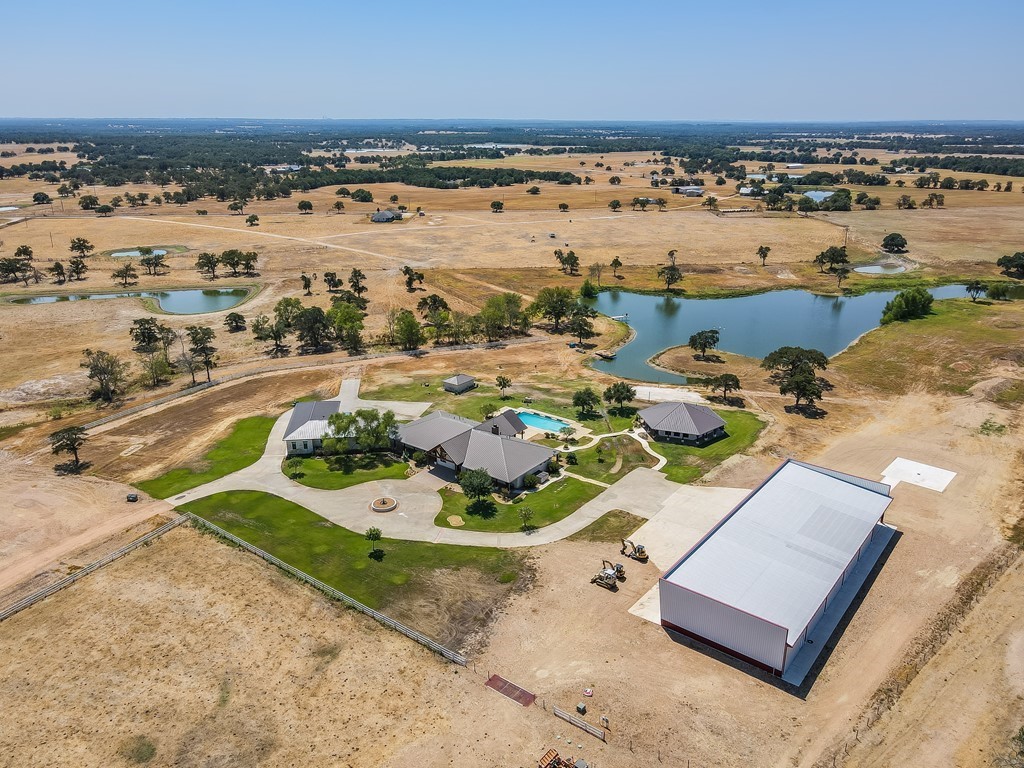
x=241 y=448
x=686 y=463
x=344 y=471
x=598 y=462
x=613 y=526
x=339 y=557
x=558 y=500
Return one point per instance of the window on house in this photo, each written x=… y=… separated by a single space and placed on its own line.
x=305 y=445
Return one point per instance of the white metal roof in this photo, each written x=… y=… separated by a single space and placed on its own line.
x=780 y=552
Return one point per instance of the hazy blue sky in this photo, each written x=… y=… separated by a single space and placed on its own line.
x=686 y=60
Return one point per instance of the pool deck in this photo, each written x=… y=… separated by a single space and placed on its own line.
x=533 y=432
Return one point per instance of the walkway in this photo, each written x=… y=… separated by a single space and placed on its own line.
x=638 y=493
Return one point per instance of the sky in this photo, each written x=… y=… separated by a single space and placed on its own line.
x=789 y=60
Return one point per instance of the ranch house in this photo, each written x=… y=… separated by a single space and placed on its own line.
x=685 y=422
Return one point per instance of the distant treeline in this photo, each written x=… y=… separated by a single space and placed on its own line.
x=223 y=158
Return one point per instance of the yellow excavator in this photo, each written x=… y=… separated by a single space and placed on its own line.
x=635 y=551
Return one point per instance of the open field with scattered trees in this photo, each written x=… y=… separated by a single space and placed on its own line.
x=286 y=219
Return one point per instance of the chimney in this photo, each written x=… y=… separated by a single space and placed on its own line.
x=494 y=429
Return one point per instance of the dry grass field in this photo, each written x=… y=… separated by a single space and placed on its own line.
x=217 y=659
x=270 y=690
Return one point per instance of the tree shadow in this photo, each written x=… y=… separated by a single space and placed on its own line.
x=735 y=402
x=377 y=554
x=482 y=508
x=709 y=358
x=807 y=410
x=71 y=468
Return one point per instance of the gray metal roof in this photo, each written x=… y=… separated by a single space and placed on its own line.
x=686 y=418
x=459 y=378
x=383 y=216
x=780 y=552
x=309 y=420
x=433 y=429
x=505 y=458
x=507 y=422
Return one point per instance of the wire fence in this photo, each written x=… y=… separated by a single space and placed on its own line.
x=299 y=364
x=333 y=593
x=67 y=581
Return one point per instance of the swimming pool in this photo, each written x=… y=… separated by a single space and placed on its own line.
x=545 y=423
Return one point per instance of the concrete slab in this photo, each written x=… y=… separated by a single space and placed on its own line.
x=648 y=607
x=683 y=518
x=666 y=394
x=916 y=473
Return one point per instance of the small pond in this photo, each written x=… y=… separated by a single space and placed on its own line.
x=881 y=269
x=183 y=302
x=134 y=253
x=817 y=195
x=8 y=207
x=749 y=325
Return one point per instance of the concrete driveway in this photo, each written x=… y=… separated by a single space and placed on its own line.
x=642 y=492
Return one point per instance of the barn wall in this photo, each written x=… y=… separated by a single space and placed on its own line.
x=736 y=632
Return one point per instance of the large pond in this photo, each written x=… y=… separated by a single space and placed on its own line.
x=184 y=302
x=749 y=325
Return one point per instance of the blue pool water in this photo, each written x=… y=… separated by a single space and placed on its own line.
x=541 y=422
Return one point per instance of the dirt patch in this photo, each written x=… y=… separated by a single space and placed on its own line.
x=51 y=522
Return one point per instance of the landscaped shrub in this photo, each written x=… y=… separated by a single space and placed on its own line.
x=419 y=458
x=530 y=482
x=571 y=460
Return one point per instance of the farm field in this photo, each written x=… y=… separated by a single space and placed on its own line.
x=196 y=653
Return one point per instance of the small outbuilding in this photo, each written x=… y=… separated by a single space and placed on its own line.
x=772 y=580
x=687 y=422
x=691 y=191
x=459 y=383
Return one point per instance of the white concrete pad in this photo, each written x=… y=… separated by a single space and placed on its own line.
x=916 y=473
x=684 y=517
x=648 y=607
x=666 y=394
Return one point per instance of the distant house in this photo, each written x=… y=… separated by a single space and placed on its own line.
x=688 y=191
x=458 y=443
x=794 y=165
x=682 y=421
x=308 y=423
x=384 y=217
x=459 y=383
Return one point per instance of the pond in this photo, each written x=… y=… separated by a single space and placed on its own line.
x=881 y=269
x=134 y=253
x=184 y=302
x=749 y=325
x=8 y=208
x=817 y=195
